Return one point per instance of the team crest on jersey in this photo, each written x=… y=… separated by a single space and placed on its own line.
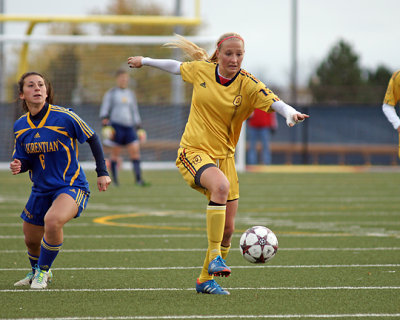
x=237 y=101
x=197 y=159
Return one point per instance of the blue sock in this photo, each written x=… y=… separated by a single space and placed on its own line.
x=33 y=260
x=114 y=171
x=136 y=170
x=48 y=253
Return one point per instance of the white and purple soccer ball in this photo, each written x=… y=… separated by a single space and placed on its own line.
x=258 y=244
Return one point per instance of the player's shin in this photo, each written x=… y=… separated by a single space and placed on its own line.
x=215 y=229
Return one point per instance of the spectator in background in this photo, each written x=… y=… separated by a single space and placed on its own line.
x=260 y=126
x=121 y=122
x=392 y=97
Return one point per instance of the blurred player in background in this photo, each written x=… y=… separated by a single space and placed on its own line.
x=223 y=97
x=120 y=117
x=46 y=144
x=392 y=97
x=260 y=126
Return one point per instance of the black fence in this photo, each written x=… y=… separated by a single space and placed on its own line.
x=329 y=133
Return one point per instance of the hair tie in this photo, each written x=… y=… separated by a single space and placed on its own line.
x=230 y=37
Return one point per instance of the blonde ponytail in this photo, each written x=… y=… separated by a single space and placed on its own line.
x=194 y=52
x=190 y=49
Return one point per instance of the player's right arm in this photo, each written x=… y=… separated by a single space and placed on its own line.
x=169 y=65
x=105 y=109
x=19 y=166
x=15 y=166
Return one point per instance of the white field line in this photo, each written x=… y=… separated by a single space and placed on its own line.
x=231 y=316
x=121 y=236
x=250 y=266
x=192 y=289
x=296 y=234
x=203 y=249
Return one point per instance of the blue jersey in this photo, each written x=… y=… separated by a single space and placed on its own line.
x=51 y=149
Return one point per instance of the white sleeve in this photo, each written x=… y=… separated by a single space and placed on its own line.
x=285 y=111
x=391 y=115
x=169 y=65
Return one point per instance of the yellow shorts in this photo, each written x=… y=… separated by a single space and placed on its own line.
x=192 y=163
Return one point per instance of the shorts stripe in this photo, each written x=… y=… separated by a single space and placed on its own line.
x=187 y=163
x=81 y=198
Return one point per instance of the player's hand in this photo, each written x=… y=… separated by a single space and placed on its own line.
x=296 y=118
x=15 y=166
x=103 y=182
x=142 y=135
x=135 y=62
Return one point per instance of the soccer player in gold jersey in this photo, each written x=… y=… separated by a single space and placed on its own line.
x=224 y=96
x=392 y=97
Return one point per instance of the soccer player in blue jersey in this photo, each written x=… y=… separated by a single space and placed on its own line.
x=224 y=96
x=46 y=145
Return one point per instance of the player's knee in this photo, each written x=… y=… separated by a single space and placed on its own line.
x=52 y=224
x=222 y=189
x=32 y=244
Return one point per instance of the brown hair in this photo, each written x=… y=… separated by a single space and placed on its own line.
x=194 y=52
x=49 y=88
x=120 y=71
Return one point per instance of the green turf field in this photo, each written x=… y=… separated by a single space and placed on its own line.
x=136 y=252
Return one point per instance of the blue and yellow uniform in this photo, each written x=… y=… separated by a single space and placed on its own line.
x=47 y=144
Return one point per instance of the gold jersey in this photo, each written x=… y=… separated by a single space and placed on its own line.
x=218 y=111
x=392 y=96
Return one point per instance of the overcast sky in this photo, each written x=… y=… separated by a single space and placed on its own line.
x=372 y=27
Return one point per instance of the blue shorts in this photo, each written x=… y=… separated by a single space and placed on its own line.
x=124 y=135
x=39 y=203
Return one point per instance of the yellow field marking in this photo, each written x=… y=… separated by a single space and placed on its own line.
x=110 y=221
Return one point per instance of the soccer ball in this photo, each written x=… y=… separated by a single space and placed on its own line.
x=258 y=244
x=107 y=132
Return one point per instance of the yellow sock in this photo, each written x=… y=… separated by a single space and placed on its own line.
x=215 y=229
x=204 y=276
x=224 y=251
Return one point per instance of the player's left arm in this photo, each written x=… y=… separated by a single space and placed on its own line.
x=265 y=97
x=291 y=115
x=80 y=130
x=103 y=178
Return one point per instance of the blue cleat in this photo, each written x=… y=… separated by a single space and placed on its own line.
x=210 y=287
x=217 y=267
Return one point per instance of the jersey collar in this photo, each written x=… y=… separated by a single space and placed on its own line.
x=42 y=115
x=227 y=83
